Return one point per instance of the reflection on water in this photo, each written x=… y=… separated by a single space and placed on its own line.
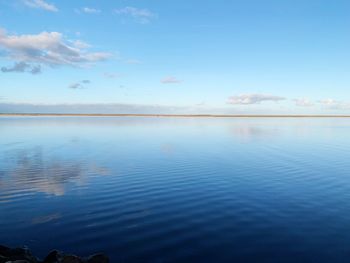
x=30 y=169
x=46 y=219
x=247 y=132
x=168 y=148
x=177 y=189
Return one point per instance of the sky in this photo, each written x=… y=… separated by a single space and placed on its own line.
x=184 y=56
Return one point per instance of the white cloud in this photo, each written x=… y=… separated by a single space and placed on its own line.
x=133 y=61
x=142 y=16
x=21 y=67
x=76 y=85
x=302 y=102
x=334 y=104
x=200 y=104
x=111 y=75
x=49 y=49
x=247 y=99
x=80 y=84
x=89 y=108
x=40 y=4
x=88 y=10
x=80 y=44
x=329 y=102
x=170 y=80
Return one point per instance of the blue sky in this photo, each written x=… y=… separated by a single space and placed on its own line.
x=226 y=56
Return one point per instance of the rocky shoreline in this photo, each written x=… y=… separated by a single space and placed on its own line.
x=24 y=255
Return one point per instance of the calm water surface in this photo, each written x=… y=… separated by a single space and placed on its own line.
x=177 y=190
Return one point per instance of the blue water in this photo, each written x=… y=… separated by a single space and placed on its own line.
x=177 y=189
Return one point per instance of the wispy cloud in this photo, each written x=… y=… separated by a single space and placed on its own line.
x=334 y=104
x=40 y=4
x=108 y=108
x=133 y=61
x=200 y=104
x=76 y=85
x=80 y=44
x=248 y=99
x=88 y=10
x=302 y=102
x=142 y=16
x=109 y=75
x=49 y=49
x=80 y=84
x=21 y=67
x=170 y=80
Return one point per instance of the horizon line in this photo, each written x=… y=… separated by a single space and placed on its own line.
x=175 y=115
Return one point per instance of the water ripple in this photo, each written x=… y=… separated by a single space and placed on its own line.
x=184 y=190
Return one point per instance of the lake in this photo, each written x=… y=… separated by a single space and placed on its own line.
x=177 y=189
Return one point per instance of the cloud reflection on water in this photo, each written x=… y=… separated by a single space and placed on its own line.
x=246 y=132
x=31 y=170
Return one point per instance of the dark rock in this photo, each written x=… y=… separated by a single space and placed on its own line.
x=20 y=251
x=53 y=257
x=3 y=259
x=17 y=254
x=23 y=255
x=5 y=251
x=71 y=259
x=98 y=258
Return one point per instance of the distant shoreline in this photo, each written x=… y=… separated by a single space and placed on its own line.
x=169 y=115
